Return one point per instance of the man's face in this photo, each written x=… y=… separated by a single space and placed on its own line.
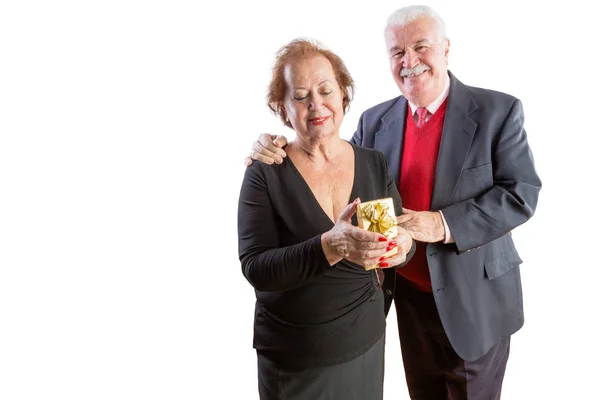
x=418 y=59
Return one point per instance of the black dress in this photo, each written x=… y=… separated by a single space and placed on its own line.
x=309 y=315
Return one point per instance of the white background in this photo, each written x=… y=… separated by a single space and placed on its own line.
x=123 y=130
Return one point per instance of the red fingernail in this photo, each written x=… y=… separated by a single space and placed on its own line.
x=393 y=243
x=383 y=264
x=382 y=239
x=382 y=258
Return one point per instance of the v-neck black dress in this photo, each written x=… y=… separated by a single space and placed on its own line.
x=308 y=313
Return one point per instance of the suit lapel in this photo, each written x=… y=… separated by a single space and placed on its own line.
x=390 y=137
x=457 y=136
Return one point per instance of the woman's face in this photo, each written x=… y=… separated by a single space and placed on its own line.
x=313 y=100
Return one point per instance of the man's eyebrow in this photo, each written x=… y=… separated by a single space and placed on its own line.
x=418 y=42
x=422 y=41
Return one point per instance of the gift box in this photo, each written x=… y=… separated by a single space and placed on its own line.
x=378 y=216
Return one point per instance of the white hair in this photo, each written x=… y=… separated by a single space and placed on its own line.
x=408 y=14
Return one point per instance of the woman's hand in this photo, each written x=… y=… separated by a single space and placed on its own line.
x=355 y=244
x=404 y=243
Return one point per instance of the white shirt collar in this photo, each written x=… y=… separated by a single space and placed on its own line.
x=433 y=107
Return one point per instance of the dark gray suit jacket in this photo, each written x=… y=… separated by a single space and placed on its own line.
x=486 y=185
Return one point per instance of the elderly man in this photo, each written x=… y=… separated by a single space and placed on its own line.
x=467 y=178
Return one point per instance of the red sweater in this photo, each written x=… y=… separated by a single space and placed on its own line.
x=417 y=175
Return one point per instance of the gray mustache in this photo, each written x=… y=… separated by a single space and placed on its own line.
x=414 y=71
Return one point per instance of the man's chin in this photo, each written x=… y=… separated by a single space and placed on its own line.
x=413 y=89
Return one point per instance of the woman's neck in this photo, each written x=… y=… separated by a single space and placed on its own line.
x=318 y=151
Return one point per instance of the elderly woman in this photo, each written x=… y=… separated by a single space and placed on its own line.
x=319 y=318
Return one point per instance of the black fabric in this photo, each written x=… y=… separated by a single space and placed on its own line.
x=358 y=379
x=432 y=367
x=307 y=312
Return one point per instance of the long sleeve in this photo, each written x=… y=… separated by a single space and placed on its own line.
x=510 y=201
x=357 y=137
x=265 y=263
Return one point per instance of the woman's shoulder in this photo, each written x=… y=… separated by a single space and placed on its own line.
x=269 y=172
x=366 y=155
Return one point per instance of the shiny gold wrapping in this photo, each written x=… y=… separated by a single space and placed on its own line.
x=378 y=216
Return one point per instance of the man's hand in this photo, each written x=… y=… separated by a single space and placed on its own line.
x=424 y=226
x=267 y=149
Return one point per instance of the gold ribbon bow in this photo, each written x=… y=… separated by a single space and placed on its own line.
x=380 y=219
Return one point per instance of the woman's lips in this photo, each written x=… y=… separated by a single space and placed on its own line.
x=318 y=121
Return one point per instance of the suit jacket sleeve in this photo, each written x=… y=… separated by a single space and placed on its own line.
x=357 y=137
x=510 y=201
x=267 y=265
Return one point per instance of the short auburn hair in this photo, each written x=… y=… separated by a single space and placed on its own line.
x=304 y=49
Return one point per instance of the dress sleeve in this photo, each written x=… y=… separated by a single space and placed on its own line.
x=265 y=263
